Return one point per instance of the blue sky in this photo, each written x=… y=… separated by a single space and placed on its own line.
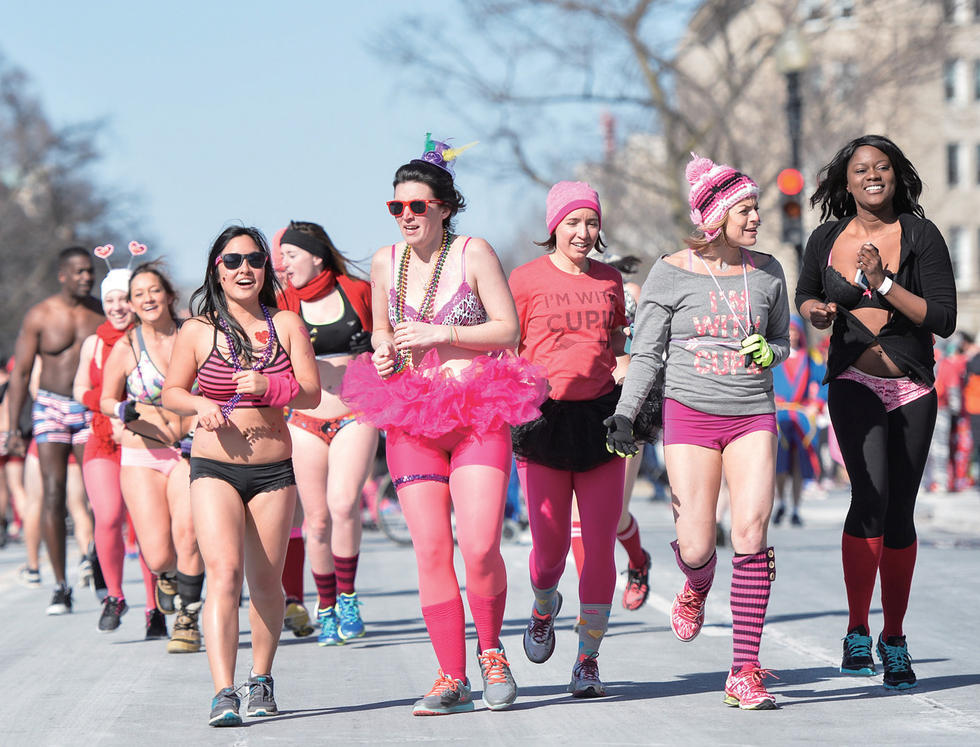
x=219 y=112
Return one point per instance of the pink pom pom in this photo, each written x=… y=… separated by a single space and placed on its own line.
x=696 y=217
x=697 y=168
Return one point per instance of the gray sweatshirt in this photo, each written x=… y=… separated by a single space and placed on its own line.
x=683 y=324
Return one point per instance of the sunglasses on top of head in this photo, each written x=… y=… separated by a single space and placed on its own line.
x=233 y=260
x=418 y=207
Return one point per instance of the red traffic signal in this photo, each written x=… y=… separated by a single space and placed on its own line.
x=790 y=181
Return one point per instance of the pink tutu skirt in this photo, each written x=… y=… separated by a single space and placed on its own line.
x=494 y=390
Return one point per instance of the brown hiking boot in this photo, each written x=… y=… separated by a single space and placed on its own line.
x=186 y=636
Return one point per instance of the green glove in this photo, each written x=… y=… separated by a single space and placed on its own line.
x=756 y=346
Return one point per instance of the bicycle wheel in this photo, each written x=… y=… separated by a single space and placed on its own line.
x=390 y=517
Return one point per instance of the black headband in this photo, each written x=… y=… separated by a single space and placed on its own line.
x=304 y=241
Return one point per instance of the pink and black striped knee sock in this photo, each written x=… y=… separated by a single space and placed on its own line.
x=578 y=547
x=326 y=589
x=346 y=569
x=700 y=578
x=446 y=624
x=896 y=570
x=488 y=617
x=629 y=538
x=752 y=577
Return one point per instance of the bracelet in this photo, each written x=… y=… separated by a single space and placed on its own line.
x=885 y=286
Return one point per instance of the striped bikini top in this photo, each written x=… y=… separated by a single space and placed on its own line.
x=145 y=382
x=464 y=309
x=214 y=375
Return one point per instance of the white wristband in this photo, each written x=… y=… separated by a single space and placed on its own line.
x=885 y=286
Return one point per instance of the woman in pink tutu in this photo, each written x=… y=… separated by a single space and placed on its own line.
x=442 y=385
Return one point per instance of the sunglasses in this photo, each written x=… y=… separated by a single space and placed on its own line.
x=233 y=260
x=418 y=207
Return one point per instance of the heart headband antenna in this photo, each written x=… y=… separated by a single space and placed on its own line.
x=136 y=249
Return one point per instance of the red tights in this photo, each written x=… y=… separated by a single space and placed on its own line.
x=467 y=473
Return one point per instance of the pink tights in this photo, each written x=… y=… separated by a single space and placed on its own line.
x=599 y=493
x=467 y=473
x=101 y=476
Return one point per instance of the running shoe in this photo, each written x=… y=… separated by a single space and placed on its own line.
x=446 y=696
x=857 y=653
x=297 y=619
x=60 y=600
x=261 y=696
x=585 y=679
x=84 y=571
x=224 y=708
x=539 y=638
x=156 y=625
x=349 y=622
x=744 y=688
x=113 y=608
x=30 y=577
x=795 y=520
x=166 y=592
x=778 y=516
x=327 y=620
x=499 y=687
x=637 y=585
x=893 y=652
x=186 y=636
x=687 y=614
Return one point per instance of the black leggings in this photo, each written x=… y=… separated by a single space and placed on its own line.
x=885 y=455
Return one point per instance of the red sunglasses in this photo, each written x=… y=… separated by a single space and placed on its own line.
x=418 y=207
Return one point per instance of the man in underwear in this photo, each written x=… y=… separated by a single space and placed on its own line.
x=54 y=329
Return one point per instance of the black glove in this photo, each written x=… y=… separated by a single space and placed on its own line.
x=360 y=343
x=619 y=437
x=126 y=411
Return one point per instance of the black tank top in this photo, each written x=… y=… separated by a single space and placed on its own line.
x=334 y=338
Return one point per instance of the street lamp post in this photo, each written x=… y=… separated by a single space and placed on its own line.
x=792 y=58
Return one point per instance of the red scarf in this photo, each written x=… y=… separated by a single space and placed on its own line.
x=109 y=336
x=357 y=291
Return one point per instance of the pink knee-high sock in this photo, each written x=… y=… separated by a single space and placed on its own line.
x=578 y=547
x=629 y=538
x=896 y=568
x=488 y=617
x=861 y=557
x=446 y=624
x=149 y=584
x=752 y=577
x=101 y=476
x=699 y=579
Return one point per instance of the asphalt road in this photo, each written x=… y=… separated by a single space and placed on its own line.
x=67 y=684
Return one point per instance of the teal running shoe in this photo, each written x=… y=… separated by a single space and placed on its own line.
x=857 y=653
x=349 y=625
x=224 y=708
x=327 y=620
x=894 y=654
x=261 y=696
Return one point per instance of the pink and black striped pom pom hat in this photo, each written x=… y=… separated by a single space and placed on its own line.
x=715 y=189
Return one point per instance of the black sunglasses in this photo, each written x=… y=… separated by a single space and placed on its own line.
x=418 y=207
x=233 y=260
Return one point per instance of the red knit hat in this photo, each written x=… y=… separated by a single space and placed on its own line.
x=715 y=189
x=565 y=197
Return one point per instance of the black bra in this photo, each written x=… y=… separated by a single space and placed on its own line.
x=844 y=293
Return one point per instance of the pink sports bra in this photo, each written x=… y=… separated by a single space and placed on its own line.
x=464 y=309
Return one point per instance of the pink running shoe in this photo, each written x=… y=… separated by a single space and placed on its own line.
x=687 y=614
x=744 y=689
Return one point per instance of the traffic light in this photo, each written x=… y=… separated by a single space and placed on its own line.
x=790 y=183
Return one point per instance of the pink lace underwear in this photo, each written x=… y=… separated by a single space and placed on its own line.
x=893 y=393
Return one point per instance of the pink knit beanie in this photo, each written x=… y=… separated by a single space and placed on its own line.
x=565 y=197
x=715 y=189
